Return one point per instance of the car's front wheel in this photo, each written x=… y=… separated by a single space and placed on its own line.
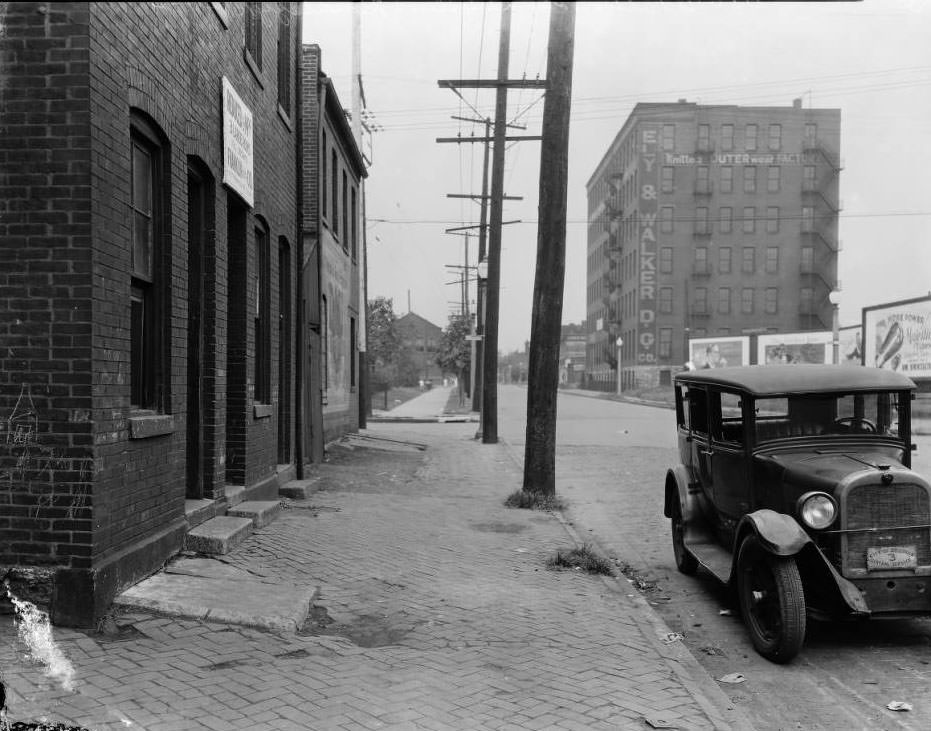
x=772 y=601
x=685 y=561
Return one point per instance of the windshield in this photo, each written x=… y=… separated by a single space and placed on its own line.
x=862 y=413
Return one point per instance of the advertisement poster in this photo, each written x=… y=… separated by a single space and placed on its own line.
x=851 y=345
x=897 y=336
x=719 y=352
x=336 y=295
x=794 y=348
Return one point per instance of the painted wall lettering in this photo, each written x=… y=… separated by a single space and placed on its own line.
x=646 y=284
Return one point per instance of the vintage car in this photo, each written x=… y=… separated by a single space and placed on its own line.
x=794 y=486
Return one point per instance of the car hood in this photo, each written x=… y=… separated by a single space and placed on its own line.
x=826 y=470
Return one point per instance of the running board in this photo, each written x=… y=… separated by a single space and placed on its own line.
x=714 y=558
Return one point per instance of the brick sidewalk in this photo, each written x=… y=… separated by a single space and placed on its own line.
x=436 y=611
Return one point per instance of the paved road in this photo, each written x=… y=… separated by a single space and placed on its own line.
x=611 y=461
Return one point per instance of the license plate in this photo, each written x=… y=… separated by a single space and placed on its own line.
x=891 y=557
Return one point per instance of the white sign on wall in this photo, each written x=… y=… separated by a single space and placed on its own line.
x=237 y=144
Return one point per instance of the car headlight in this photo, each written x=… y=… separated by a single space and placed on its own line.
x=817 y=510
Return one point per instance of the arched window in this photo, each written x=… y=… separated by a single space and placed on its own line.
x=150 y=230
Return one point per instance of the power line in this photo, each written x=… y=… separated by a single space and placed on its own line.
x=581 y=221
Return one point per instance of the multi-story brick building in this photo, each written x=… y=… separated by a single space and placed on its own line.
x=709 y=220
x=154 y=249
x=333 y=170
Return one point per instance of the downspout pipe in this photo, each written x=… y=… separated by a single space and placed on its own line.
x=299 y=342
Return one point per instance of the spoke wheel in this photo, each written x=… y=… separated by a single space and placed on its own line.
x=685 y=561
x=772 y=601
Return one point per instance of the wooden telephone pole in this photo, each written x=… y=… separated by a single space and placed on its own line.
x=543 y=369
x=492 y=284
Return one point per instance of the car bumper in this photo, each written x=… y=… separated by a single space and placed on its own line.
x=896 y=594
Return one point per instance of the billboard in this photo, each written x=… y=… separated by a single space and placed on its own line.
x=851 y=345
x=897 y=336
x=719 y=352
x=794 y=348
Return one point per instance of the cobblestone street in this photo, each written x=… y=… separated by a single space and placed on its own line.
x=435 y=610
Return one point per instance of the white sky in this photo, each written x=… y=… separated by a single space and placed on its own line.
x=870 y=59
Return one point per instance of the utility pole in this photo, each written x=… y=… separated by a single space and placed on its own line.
x=490 y=333
x=490 y=325
x=361 y=331
x=480 y=288
x=543 y=368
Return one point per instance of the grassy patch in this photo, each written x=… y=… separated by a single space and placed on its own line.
x=581 y=559
x=394 y=396
x=452 y=403
x=533 y=501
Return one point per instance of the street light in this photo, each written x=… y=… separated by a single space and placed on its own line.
x=619 y=343
x=834 y=299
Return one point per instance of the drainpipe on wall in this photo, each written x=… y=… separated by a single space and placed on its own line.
x=299 y=263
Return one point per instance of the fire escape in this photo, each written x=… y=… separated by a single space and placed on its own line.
x=820 y=209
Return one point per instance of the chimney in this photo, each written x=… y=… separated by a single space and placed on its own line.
x=797 y=103
x=682 y=101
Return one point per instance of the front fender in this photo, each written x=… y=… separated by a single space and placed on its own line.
x=778 y=533
x=781 y=535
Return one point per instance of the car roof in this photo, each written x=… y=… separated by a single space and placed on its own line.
x=771 y=380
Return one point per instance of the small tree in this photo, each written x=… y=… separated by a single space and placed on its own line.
x=383 y=342
x=455 y=353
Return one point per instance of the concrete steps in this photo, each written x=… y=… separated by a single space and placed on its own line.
x=218 y=536
x=260 y=512
x=219 y=526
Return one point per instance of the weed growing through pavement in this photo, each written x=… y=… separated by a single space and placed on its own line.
x=533 y=501
x=581 y=559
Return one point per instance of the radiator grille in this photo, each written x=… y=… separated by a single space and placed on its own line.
x=884 y=507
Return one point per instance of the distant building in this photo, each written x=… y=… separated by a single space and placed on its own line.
x=420 y=342
x=572 y=340
x=705 y=221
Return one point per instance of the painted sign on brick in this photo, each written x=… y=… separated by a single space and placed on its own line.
x=647 y=139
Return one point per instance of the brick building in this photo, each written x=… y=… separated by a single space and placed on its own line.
x=153 y=224
x=332 y=183
x=420 y=342
x=709 y=221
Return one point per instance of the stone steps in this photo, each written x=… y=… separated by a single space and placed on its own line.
x=218 y=527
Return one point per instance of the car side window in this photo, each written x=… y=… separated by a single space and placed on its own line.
x=682 y=406
x=698 y=411
x=727 y=417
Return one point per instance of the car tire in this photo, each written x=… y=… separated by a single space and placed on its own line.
x=772 y=601
x=685 y=561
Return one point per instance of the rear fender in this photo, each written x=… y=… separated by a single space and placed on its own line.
x=677 y=489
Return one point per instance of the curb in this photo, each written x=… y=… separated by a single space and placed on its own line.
x=687 y=670
x=450 y=419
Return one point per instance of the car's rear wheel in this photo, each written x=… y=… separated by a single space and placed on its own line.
x=772 y=601
x=685 y=561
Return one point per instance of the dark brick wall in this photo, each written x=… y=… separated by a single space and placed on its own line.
x=81 y=493
x=47 y=460
x=168 y=60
